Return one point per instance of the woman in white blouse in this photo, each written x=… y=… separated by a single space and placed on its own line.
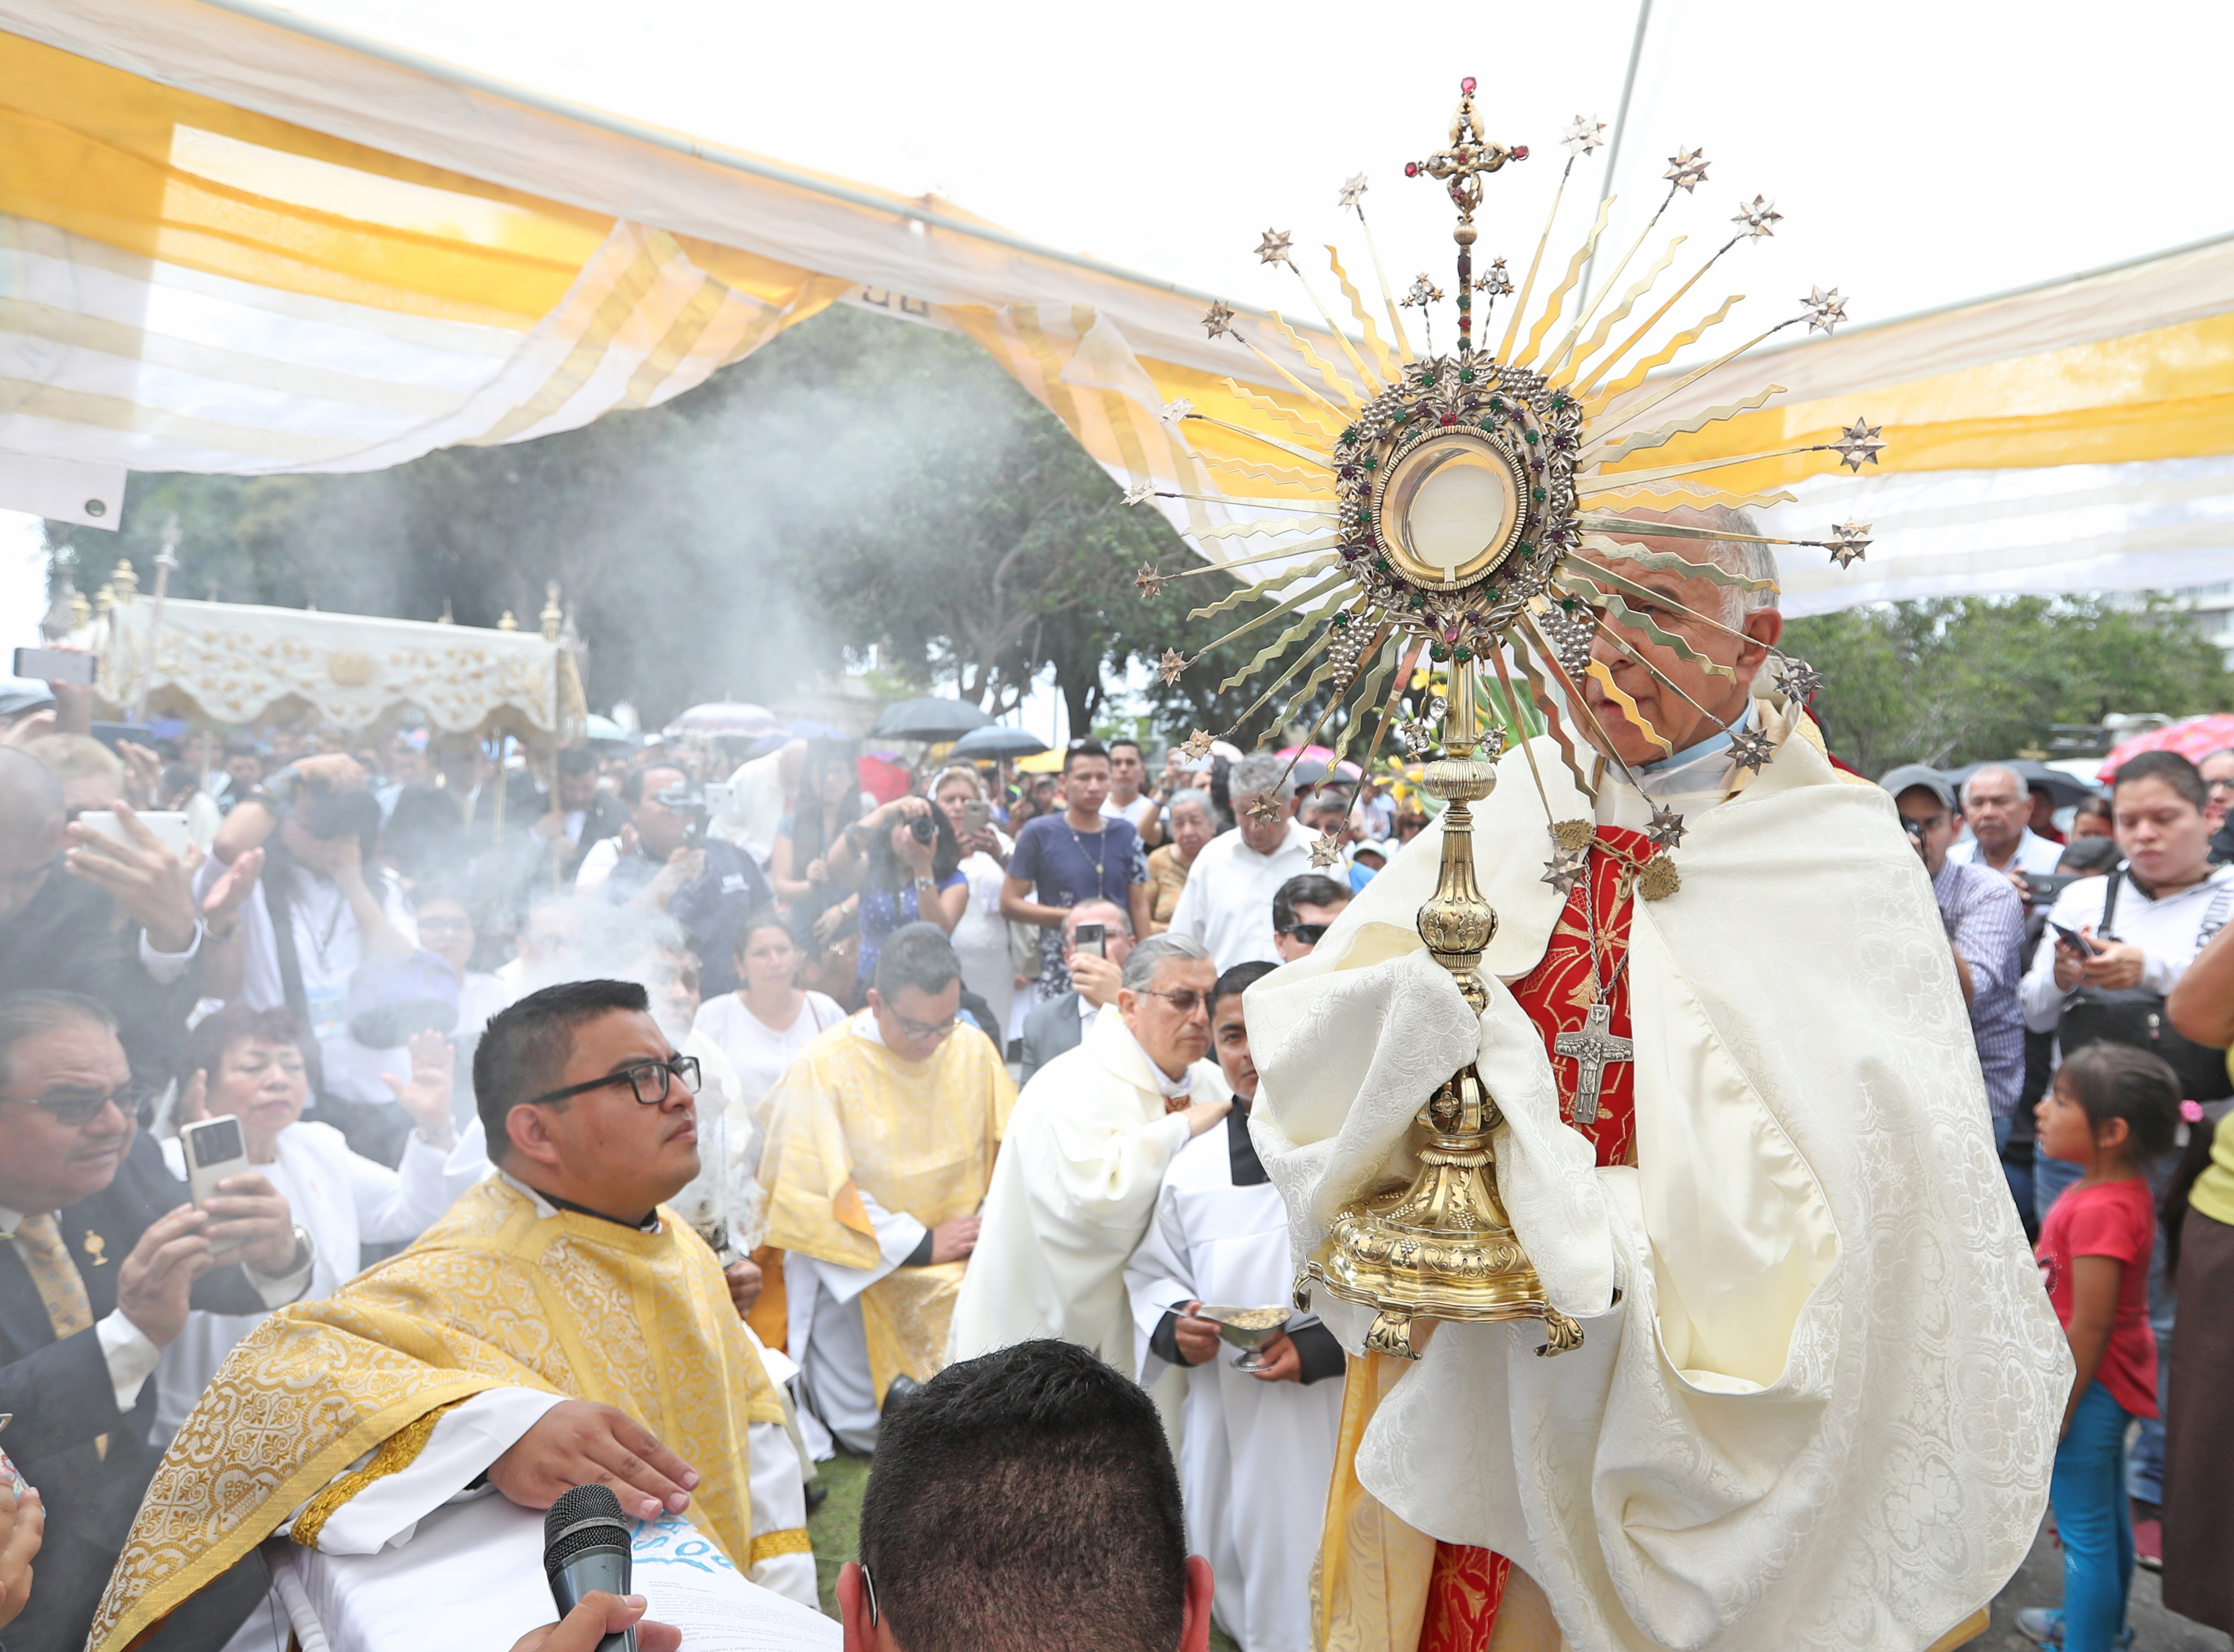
x=981 y=939
x=763 y=1025
x=254 y=1064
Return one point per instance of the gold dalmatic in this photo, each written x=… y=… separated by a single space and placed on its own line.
x=491 y=1296
x=918 y=1137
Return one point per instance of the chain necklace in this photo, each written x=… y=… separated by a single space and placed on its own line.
x=1101 y=852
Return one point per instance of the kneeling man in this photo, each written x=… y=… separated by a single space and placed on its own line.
x=556 y=1327
x=880 y=1145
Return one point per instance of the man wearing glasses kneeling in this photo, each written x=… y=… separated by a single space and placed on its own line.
x=558 y=1328
x=1083 y=1160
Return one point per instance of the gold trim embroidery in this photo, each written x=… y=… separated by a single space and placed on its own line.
x=769 y=1546
x=397 y=1453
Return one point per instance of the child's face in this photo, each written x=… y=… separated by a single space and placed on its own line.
x=2065 y=1131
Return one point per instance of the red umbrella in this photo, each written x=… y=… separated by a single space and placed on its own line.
x=2194 y=739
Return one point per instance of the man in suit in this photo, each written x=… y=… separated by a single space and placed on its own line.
x=102 y=1259
x=1060 y=1023
x=581 y=814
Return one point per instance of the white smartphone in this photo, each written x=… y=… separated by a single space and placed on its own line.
x=169 y=827
x=214 y=1151
x=721 y=799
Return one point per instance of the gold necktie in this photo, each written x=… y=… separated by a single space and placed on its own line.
x=39 y=1242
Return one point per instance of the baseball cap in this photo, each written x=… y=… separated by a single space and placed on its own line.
x=1899 y=780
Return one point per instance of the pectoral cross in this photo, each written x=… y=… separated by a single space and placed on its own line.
x=1592 y=1049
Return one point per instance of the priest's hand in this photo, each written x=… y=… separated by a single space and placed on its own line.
x=1197 y=1337
x=156 y=1279
x=745 y=1282
x=953 y=1240
x=599 y=1616
x=578 y=1443
x=250 y=1214
x=1278 y=1360
x=1203 y=1114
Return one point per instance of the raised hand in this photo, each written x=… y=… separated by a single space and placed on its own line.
x=154 y=1282
x=426 y=1095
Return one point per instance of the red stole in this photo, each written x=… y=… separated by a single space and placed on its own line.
x=1467 y=1583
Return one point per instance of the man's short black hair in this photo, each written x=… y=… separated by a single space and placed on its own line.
x=915 y=955
x=525 y=1050
x=632 y=782
x=1305 y=889
x=1127 y=739
x=1026 y=1498
x=577 y=760
x=25 y=1015
x=1079 y=748
x=1240 y=978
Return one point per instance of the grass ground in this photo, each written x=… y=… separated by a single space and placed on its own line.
x=835 y=1526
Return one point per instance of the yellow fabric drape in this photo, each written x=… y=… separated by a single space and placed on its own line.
x=491 y=1296
x=919 y=1138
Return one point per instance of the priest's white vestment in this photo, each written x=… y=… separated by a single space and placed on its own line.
x=1255 y=1457
x=1085 y=1153
x=1821 y=1411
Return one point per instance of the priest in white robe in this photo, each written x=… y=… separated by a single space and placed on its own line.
x=1818 y=1398
x=1258 y=1446
x=1083 y=1160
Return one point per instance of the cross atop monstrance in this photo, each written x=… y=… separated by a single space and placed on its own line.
x=1472 y=152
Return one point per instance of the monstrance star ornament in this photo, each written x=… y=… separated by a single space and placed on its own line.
x=1825 y=310
x=1849 y=540
x=1797 y=679
x=1218 y=320
x=1196 y=747
x=1423 y=293
x=1751 y=748
x=1686 y=169
x=1150 y=581
x=1139 y=492
x=1582 y=137
x=1273 y=249
x=1351 y=191
x=1761 y=219
x=1326 y=851
x=1666 y=829
x=1858 y=442
x=1564 y=871
x=1174 y=412
x=1497 y=283
x=1265 y=807
x=1172 y=665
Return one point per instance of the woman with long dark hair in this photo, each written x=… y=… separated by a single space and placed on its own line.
x=907 y=862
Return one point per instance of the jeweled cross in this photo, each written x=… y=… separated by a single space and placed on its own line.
x=1472 y=152
x=1592 y=1049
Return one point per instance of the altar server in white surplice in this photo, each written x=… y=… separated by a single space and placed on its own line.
x=1083 y=1158
x=1258 y=1447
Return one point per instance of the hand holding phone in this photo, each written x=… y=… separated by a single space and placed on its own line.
x=1091 y=939
x=214 y=1150
x=2085 y=947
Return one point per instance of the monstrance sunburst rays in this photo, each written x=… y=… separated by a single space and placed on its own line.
x=1449 y=495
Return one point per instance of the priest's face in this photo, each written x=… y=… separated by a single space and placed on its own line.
x=1692 y=609
x=1171 y=1016
x=604 y=1148
x=1230 y=1036
x=915 y=1022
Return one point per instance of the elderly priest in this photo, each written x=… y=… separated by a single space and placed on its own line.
x=557 y=1328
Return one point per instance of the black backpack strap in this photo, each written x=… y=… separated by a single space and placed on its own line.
x=276 y=902
x=2103 y=932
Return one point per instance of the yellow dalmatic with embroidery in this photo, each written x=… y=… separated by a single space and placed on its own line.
x=918 y=1137
x=492 y=1297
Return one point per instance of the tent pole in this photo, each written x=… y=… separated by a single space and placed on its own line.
x=1613 y=150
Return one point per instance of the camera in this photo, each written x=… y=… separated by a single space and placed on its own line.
x=689 y=801
x=924 y=828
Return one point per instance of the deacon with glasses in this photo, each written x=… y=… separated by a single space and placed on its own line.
x=881 y=1140
x=1085 y=1154
x=559 y=1327
x=102 y=1259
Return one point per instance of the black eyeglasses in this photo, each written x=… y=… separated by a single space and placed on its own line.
x=923 y=1031
x=1307 y=934
x=649 y=1079
x=135 y=1101
x=1187 y=1000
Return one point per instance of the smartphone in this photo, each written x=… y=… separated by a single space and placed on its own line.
x=169 y=827
x=55 y=665
x=2042 y=888
x=721 y=799
x=976 y=815
x=2075 y=941
x=1091 y=937
x=214 y=1151
x=113 y=734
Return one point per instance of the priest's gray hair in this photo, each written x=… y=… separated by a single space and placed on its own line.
x=1141 y=962
x=1258 y=775
x=1741 y=558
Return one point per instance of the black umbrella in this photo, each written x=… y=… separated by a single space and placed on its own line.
x=996 y=742
x=2063 y=790
x=930 y=719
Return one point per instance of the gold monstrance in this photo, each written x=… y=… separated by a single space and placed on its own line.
x=1458 y=490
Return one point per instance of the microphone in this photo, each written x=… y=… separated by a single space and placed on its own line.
x=585 y=1546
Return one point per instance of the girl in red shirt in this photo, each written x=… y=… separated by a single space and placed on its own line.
x=2112 y=1108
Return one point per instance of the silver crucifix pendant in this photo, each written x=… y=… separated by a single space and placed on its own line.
x=1592 y=1049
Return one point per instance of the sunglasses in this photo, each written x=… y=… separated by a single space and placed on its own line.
x=1307 y=934
x=651 y=1080
x=134 y=1101
x=1187 y=1000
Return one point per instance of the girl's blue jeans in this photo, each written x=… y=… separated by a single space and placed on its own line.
x=2088 y=1494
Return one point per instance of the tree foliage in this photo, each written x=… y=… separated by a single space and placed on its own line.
x=1954 y=681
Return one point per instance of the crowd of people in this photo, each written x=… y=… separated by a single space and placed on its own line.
x=435 y=997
